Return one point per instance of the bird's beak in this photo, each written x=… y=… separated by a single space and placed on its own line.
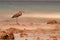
x=22 y=11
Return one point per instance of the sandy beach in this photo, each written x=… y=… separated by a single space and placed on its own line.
x=41 y=30
x=29 y=20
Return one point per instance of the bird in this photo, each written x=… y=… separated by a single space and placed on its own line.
x=17 y=15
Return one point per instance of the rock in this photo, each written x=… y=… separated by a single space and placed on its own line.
x=52 y=22
x=2 y=34
x=6 y=37
x=53 y=37
x=10 y=32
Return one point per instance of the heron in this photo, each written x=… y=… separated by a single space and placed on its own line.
x=17 y=15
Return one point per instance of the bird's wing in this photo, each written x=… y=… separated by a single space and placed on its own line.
x=16 y=15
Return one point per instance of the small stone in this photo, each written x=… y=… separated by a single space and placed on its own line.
x=52 y=22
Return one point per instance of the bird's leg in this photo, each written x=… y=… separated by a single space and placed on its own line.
x=17 y=20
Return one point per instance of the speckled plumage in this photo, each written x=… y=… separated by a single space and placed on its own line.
x=17 y=14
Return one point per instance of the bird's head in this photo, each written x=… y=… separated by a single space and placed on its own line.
x=22 y=11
